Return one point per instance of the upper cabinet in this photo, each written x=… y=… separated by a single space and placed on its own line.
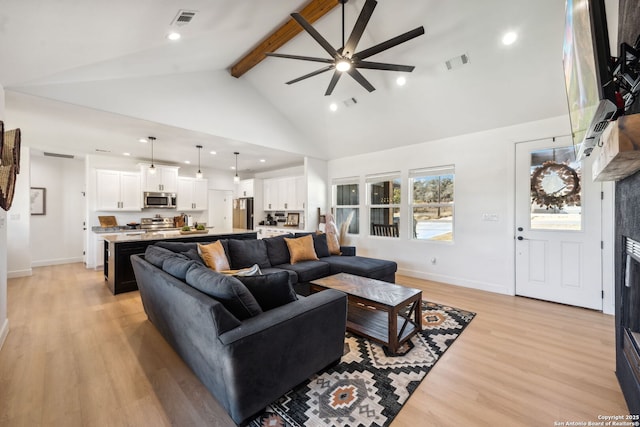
x=246 y=188
x=118 y=191
x=192 y=194
x=165 y=179
x=284 y=194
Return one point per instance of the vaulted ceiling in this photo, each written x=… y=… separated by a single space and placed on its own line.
x=87 y=75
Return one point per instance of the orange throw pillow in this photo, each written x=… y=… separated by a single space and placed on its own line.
x=213 y=256
x=332 y=242
x=301 y=249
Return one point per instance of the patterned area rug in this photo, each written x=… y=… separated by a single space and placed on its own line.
x=368 y=387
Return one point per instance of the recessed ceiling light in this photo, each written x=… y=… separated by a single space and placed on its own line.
x=333 y=106
x=262 y=160
x=173 y=36
x=126 y=154
x=401 y=81
x=188 y=162
x=143 y=140
x=509 y=38
x=213 y=153
x=233 y=167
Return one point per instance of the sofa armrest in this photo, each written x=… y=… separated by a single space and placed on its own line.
x=273 y=352
x=348 y=250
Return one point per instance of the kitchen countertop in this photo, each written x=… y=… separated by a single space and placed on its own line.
x=136 y=236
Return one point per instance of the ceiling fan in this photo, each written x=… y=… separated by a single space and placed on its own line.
x=346 y=59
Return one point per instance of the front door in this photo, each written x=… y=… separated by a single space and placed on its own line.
x=558 y=225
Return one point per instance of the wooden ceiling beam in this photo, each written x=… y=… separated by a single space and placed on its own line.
x=313 y=11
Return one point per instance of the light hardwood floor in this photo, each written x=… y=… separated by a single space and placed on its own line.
x=77 y=355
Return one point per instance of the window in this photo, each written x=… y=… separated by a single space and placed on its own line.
x=384 y=204
x=346 y=202
x=432 y=203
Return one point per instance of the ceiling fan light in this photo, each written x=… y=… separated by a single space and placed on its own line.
x=343 y=65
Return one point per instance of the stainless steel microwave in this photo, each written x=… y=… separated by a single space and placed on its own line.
x=160 y=200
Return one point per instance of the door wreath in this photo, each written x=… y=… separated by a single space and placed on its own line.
x=555 y=185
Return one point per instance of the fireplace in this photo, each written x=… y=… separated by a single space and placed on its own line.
x=628 y=324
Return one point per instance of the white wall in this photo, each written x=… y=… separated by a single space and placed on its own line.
x=317 y=190
x=18 y=232
x=4 y=321
x=482 y=254
x=57 y=236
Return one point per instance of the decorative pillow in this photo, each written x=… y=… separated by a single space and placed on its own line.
x=277 y=249
x=251 y=271
x=333 y=243
x=227 y=289
x=177 y=266
x=301 y=249
x=213 y=256
x=194 y=255
x=245 y=253
x=320 y=245
x=270 y=290
x=156 y=255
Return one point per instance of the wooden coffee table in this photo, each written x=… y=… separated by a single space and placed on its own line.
x=376 y=308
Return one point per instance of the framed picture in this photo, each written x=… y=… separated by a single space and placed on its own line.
x=38 y=201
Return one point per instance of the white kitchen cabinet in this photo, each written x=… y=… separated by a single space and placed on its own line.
x=165 y=179
x=284 y=194
x=246 y=188
x=118 y=191
x=192 y=194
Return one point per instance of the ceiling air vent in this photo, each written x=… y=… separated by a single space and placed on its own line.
x=350 y=102
x=183 y=17
x=457 y=62
x=64 y=156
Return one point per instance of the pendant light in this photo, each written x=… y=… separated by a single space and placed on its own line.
x=152 y=168
x=236 y=178
x=199 y=173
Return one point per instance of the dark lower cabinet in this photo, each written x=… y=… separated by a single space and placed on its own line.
x=118 y=271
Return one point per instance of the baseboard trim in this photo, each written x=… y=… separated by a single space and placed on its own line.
x=19 y=273
x=4 y=332
x=58 y=261
x=456 y=281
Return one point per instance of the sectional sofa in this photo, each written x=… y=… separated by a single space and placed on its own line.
x=249 y=339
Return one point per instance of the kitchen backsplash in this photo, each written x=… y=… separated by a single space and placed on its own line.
x=124 y=218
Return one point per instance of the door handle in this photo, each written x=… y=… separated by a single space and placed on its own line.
x=520 y=238
x=520 y=228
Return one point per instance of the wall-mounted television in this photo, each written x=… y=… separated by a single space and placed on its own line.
x=591 y=93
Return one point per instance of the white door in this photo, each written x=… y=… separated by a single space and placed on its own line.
x=558 y=225
x=220 y=206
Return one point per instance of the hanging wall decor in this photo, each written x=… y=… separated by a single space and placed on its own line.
x=9 y=164
x=555 y=185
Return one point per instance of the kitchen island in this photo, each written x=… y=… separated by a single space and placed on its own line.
x=119 y=247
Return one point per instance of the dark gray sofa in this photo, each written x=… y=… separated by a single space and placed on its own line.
x=245 y=362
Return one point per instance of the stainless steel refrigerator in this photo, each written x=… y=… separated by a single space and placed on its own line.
x=243 y=213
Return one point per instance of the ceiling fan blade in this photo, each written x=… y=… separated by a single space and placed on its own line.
x=314 y=73
x=358 y=28
x=333 y=82
x=303 y=58
x=383 y=66
x=390 y=43
x=360 y=79
x=316 y=35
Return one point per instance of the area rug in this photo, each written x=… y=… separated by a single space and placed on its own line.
x=369 y=386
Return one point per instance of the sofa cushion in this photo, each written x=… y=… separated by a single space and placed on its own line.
x=270 y=290
x=156 y=255
x=301 y=249
x=227 y=289
x=293 y=277
x=308 y=270
x=361 y=266
x=194 y=255
x=245 y=253
x=214 y=256
x=277 y=249
x=177 y=266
